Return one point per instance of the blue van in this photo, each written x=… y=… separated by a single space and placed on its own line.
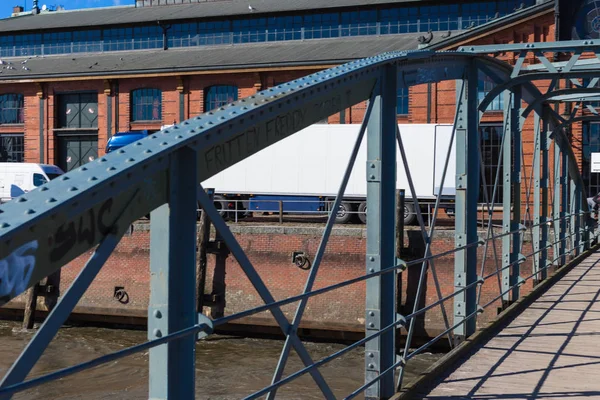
x=121 y=139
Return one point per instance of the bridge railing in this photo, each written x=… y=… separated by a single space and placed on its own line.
x=92 y=207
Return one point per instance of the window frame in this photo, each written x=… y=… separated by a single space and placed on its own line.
x=403 y=101
x=210 y=104
x=484 y=86
x=147 y=109
x=20 y=147
x=19 y=111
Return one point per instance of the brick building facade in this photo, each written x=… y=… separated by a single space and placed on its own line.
x=77 y=90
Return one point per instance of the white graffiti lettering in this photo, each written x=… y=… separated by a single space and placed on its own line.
x=15 y=271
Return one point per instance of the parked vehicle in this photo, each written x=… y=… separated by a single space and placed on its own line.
x=121 y=139
x=19 y=178
x=304 y=172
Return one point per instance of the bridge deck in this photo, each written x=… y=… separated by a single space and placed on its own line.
x=550 y=351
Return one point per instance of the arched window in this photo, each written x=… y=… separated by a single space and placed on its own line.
x=146 y=105
x=485 y=85
x=11 y=108
x=219 y=95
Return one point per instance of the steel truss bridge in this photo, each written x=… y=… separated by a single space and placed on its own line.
x=92 y=207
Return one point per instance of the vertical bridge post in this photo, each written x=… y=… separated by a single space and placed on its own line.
x=544 y=184
x=511 y=169
x=556 y=214
x=536 y=241
x=467 y=193
x=564 y=206
x=173 y=282
x=381 y=188
x=573 y=225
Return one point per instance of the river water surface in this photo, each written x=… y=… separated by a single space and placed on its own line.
x=227 y=367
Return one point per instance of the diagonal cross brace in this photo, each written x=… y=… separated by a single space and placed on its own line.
x=261 y=288
x=427 y=237
x=319 y=256
x=35 y=348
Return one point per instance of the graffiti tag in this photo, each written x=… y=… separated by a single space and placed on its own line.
x=15 y=271
x=81 y=231
x=258 y=137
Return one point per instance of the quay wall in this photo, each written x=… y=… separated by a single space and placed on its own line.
x=270 y=250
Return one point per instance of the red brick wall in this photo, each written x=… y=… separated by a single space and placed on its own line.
x=30 y=127
x=441 y=104
x=342 y=309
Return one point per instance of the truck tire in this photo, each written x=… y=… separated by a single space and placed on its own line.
x=220 y=203
x=410 y=216
x=362 y=212
x=344 y=213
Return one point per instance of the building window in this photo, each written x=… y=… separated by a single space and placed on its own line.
x=249 y=30
x=358 y=23
x=401 y=18
x=219 y=95
x=402 y=95
x=284 y=28
x=11 y=108
x=118 y=39
x=212 y=33
x=591 y=144
x=87 y=41
x=58 y=43
x=485 y=85
x=77 y=110
x=147 y=37
x=491 y=146
x=146 y=105
x=12 y=148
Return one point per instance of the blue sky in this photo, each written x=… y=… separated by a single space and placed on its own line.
x=6 y=6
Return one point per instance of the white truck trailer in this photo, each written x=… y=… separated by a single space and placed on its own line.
x=304 y=172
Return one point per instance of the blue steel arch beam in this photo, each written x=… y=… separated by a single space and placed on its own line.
x=562 y=95
x=219 y=139
x=508 y=84
x=554 y=119
x=43 y=230
x=572 y=69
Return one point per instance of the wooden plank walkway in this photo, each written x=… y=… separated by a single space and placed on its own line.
x=550 y=351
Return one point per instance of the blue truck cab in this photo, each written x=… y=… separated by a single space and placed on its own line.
x=121 y=139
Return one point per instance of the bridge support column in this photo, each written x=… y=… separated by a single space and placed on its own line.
x=467 y=193
x=537 y=220
x=172 y=304
x=544 y=183
x=580 y=221
x=381 y=194
x=564 y=207
x=511 y=221
x=556 y=207
x=574 y=233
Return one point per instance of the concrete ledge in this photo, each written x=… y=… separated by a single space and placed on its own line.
x=428 y=377
x=312 y=230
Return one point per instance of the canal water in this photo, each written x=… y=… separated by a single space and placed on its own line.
x=227 y=367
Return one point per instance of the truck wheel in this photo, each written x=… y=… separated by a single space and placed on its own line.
x=344 y=215
x=410 y=216
x=221 y=205
x=362 y=212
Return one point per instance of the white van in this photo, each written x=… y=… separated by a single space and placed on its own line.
x=19 y=178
